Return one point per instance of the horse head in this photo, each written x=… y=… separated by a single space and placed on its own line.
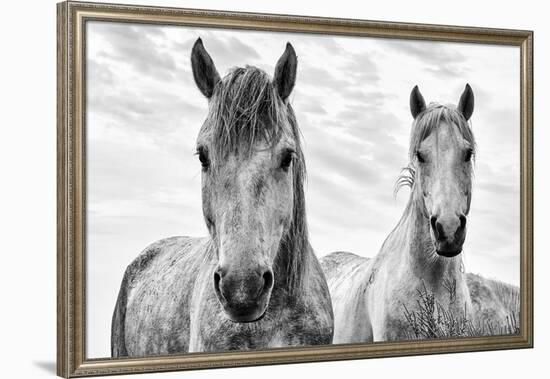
x=252 y=171
x=441 y=152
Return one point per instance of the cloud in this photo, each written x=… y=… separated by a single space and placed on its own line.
x=439 y=58
x=138 y=48
x=319 y=77
x=362 y=69
x=375 y=128
x=142 y=106
x=225 y=51
x=429 y=52
x=345 y=165
x=367 y=99
x=447 y=71
x=346 y=79
x=328 y=44
x=312 y=106
x=99 y=73
x=354 y=209
x=231 y=49
x=150 y=112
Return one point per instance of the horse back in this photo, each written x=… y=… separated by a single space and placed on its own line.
x=346 y=277
x=139 y=288
x=340 y=263
x=495 y=304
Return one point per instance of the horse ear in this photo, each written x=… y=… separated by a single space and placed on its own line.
x=466 y=103
x=285 y=72
x=205 y=73
x=417 y=103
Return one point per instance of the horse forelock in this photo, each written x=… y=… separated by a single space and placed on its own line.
x=243 y=111
x=246 y=110
x=423 y=126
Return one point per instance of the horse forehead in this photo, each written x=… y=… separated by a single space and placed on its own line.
x=253 y=160
x=245 y=166
x=444 y=137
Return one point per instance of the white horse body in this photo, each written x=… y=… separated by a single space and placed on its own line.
x=254 y=282
x=369 y=296
x=420 y=262
x=351 y=321
x=167 y=305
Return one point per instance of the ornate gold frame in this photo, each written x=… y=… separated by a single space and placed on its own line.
x=71 y=166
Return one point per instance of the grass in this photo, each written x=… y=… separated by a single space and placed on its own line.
x=432 y=320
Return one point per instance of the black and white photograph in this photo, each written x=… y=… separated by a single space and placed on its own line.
x=250 y=190
x=274 y=189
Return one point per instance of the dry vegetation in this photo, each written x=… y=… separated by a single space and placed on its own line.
x=431 y=320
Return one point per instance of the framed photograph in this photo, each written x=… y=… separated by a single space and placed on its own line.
x=191 y=235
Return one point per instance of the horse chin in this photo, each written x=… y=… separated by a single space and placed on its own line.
x=245 y=317
x=448 y=253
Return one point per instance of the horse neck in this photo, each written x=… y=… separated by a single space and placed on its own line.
x=293 y=262
x=411 y=240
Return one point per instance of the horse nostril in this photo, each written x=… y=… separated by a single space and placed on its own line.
x=438 y=230
x=217 y=280
x=268 y=281
x=462 y=222
x=433 y=221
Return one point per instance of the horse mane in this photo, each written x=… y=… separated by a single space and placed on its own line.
x=245 y=109
x=422 y=127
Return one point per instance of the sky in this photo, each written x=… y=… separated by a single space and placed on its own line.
x=351 y=100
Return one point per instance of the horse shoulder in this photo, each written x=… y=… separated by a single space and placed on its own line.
x=133 y=270
x=135 y=297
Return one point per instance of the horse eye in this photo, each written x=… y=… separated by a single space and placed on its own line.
x=420 y=157
x=287 y=160
x=203 y=158
x=469 y=154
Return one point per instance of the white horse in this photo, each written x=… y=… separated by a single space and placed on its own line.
x=421 y=255
x=254 y=282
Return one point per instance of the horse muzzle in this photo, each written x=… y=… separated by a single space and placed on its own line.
x=244 y=294
x=448 y=234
